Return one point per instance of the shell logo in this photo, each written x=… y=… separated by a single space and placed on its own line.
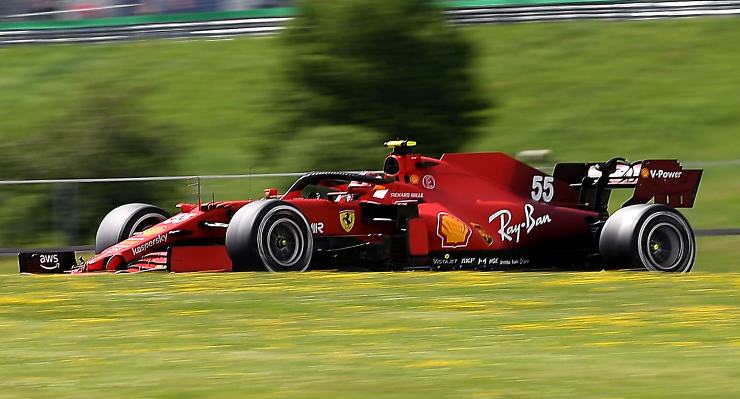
x=453 y=232
x=153 y=231
x=644 y=173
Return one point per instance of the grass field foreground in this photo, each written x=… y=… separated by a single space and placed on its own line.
x=411 y=335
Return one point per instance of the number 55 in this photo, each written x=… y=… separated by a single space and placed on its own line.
x=542 y=188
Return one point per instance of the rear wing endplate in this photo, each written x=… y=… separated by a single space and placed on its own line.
x=663 y=180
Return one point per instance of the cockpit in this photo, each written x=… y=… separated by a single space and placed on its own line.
x=331 y=185
x=401 y=166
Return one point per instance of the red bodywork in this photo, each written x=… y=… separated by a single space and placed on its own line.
x=484 y=210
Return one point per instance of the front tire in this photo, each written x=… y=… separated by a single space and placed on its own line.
x=124 y=221
x=656 y=237
x=269 y=234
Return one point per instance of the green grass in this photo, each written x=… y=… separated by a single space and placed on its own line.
x=370 y=335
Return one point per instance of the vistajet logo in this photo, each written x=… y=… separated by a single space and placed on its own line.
x=661 y=174
x=160 y=239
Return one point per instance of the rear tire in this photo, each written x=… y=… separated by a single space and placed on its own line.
x=271 y=235
x=656 y=237
x=124 y=221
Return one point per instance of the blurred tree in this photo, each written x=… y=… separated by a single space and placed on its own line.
x=326 y=148
x=393 y=66
x=106 y=134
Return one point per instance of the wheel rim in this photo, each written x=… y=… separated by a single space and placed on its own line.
x=285 y=242
x=665 y=245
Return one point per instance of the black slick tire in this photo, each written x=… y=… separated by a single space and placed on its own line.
x=269 y=235
x=122 y=222
x=656 y=237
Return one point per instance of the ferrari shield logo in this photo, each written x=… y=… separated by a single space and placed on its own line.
x=347 y=220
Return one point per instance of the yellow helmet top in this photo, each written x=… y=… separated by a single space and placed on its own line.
x=400 y=143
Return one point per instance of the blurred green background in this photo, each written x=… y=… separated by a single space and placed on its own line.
x=322 y=99
x=586 y=90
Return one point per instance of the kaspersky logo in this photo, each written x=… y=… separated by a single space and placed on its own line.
x=161 y=239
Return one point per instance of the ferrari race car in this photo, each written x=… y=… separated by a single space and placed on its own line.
x=461 y=211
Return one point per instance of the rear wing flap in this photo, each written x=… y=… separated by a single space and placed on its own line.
x=663 y=180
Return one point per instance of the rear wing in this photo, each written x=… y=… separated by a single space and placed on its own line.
x=663 y=180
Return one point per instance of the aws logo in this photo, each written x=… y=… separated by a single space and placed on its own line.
x=49 y=262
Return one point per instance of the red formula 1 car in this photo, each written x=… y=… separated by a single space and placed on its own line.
x=476 y=211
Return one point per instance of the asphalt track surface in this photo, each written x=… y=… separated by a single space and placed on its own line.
x=229 y=28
